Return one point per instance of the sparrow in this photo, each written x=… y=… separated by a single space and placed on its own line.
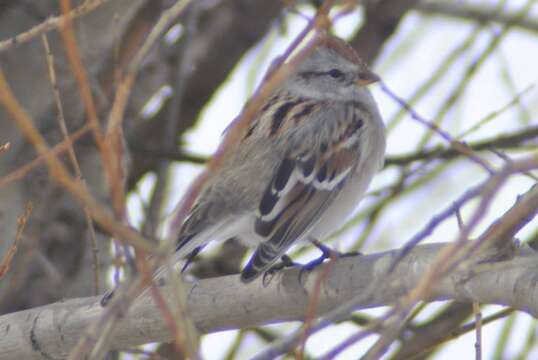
x=300 y=166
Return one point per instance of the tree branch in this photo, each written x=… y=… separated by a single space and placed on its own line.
x=472 y=12
x=382 y=20
x=505 y=141
x=51 y=23
x=514 y=139
x=225 y=303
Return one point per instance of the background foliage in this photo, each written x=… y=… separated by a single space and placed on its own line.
x=466 y=66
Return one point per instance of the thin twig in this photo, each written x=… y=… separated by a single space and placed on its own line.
x=50 y=24
x=436 y=220
x=424 y=89
x=138 y=284
x=472 y=69
x=445 y=260
x=450 y=335
x=476 y=12
x=508 y=140
x=478 y=329
x=79 y=71
x=57 y=170
x=180 y=71
x=73 y=158
x=313 y=306
x=494 y=114
x=457 y=145
x=22 y=220
x=54 y=151
x=185 y=334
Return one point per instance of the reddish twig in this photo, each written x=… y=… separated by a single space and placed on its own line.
x=60 y=174
x=78 y=69
x=22 y=220
x=73 y=159
x=54 y=151
x=50 y=24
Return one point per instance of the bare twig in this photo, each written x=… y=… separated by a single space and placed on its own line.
x=107 y=323
x=472 y=69
x=54 y=151
x=60 y=174
x=79 y=71
x=424 y=89
x=437 y=219
x=185 y=334
x=12 y=250
x=457 y=145
x=429 y=334
x=476 y=12
x=180 y=70
x=74 y=161
x=478 y=330
x=454 y=255
x=502 y=141
x=423 y=348
x=312 y=307
x=50 y=24
x=494 y=114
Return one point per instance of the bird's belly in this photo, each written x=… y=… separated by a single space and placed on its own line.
x=350 y=195
x=336 y=215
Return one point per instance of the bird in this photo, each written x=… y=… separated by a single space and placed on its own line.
x=299 y=168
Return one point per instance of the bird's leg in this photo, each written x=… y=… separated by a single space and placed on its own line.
x=330 y=253
x=285 y=262
x=326 y=253
x=191 y=257
x=130 y=268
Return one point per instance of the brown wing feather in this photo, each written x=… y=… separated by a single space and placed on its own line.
x=306 y=183
x=294 y=201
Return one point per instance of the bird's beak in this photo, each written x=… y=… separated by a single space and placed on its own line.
x=367 y=78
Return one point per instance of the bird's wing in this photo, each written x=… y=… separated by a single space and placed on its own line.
x=304 y=185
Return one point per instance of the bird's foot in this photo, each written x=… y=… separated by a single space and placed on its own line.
x=106 y=298
x=326 y=253
x=285 y=262
x=191 y=257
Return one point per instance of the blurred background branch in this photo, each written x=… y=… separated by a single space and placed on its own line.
x=475 y=12
x=467 y=66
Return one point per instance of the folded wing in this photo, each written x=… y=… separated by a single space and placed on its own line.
x=304 y=185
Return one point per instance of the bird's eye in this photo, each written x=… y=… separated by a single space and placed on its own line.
x=336 y=74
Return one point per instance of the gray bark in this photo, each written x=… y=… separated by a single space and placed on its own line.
x=225 y=303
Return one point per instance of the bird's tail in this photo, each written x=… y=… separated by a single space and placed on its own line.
x=262 y=259
x=182 y=250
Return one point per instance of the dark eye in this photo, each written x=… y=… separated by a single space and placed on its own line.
x=335 y=74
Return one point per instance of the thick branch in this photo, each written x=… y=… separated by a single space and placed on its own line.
x=224 y=303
